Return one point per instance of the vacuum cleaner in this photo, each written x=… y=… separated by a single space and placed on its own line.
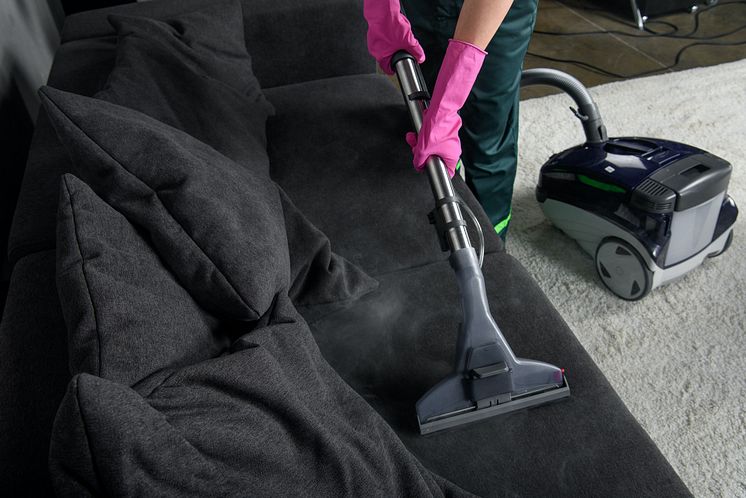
x=647 y=210
x=488 y=379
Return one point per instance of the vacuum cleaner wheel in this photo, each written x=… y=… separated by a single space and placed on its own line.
x=622 y=269
x=728 y=242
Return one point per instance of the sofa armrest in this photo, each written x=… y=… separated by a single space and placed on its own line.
x=290 y=41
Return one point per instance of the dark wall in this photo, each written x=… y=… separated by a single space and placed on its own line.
x=15 y=130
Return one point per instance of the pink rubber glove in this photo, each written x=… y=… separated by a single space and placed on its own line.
x=438 y=135
x=388 y=32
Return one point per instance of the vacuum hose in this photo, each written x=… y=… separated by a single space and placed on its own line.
x=587 y=112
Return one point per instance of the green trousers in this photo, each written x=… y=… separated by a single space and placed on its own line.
x=489 y=133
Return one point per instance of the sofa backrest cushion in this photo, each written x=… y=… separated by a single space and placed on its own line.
x=209 y=38
x=217 y=226
x=192 y=72
x=290 y=41
x=126 y=314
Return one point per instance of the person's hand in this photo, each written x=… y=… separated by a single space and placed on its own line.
x=388 y=32
x=438 y=135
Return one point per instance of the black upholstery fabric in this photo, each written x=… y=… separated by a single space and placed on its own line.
x=397 y=342
x=193 y=73
x=149 y=77
x=126 y=315
x=206 y=216
x=334 y=28
x=318 y=275
x=209 y=40
x=336 y=146
x=34 y=373
x=317 y=39
x=337 y=127
x=269 y=419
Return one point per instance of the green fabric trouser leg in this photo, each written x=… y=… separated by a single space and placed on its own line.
x=489 y=134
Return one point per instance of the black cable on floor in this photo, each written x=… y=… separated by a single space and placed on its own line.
x=655 y=34
x=611 y=74
x=651 y=34
x=602 y=11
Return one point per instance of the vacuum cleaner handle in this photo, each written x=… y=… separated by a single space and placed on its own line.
x=448 y=211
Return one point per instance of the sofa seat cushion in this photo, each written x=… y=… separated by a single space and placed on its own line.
x=127 y=316
x=396 y=343
x=336 y=146
x=270 y=418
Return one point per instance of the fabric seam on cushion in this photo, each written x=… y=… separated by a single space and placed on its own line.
x=85 y=431
x=85 y=278
x=157 y=386
x=423 y=265
x=181 y=227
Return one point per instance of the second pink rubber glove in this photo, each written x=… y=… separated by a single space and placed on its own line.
x=388 y=32
x=438 y=135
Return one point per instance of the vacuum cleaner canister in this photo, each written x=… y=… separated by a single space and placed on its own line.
x=647 y=210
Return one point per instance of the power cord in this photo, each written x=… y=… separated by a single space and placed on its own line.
x=604 y=72
x=651 y=33
x=702 y=41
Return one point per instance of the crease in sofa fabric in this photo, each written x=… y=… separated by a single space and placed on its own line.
x=65 y=486
x=83 y=265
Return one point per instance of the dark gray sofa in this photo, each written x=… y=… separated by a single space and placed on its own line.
x=336 y=146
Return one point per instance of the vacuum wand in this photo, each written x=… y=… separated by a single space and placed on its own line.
x=446 y=203
x=487 y=379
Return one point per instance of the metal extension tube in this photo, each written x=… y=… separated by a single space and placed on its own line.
x=416 y=97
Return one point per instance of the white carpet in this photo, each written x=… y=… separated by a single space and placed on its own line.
x=678 y=357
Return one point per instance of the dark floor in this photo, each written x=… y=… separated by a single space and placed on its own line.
x=626 y=55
